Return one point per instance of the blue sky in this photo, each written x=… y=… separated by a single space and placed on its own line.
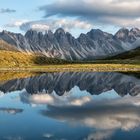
x=25 y=10
x=74 y=16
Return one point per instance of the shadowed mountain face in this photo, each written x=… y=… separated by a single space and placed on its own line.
x=93 y=82
x=132 y=54
x=93 y=45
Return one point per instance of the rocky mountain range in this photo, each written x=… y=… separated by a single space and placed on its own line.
x=93 y=82
x=95 y=44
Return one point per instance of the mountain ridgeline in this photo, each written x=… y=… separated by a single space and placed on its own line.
x=96 y=44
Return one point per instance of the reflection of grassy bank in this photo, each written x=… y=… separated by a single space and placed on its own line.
x=5 y=76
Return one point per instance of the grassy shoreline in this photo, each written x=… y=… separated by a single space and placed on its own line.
x=76 y=67
x=10 y=73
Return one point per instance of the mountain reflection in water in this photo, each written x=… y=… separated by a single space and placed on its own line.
x=94 y=83
x=71 y=106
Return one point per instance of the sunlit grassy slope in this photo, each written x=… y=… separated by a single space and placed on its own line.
x=10 y=60
x=19 y=59
x=15 y=59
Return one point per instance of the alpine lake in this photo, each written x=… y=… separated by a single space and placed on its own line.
x=70 y=106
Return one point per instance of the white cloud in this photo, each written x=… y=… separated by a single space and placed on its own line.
x=101 y=135
x=40 y=27
x=120 y=113
x=47 y=135
x=12 y=111
x=67 y=24
x=53 y=100
x=93 y=8
x=1 y=29
x=122 y=21
x=109 y=12
x=16 y=23
x=83 y=14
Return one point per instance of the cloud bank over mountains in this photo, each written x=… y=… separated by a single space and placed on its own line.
x=116 y=12
x=80 y=15
x=54 y=24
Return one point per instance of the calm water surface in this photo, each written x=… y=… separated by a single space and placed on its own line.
x=71 y=106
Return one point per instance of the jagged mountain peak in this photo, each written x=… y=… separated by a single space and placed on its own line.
x=82 y=36
x=122 y=32
x=135 y=30
x=126 y=31
x=5 y=32
x=49 y=32
x=98 y=34
x=60 y=31
x=123 y=29
x=61 y=44
x=123 y=35
x=95 y=32
x=31 y=33
x=128 y=36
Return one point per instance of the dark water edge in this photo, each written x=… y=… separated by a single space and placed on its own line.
x=135 y=74
x=70 y=106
